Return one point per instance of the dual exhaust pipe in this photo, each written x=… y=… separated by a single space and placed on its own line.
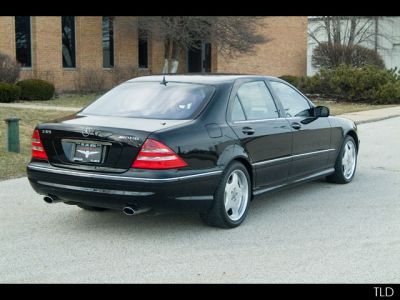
x=51 y=199
x=127 y=210
x=133 y=210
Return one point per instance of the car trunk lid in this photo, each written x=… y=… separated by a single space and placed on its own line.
x=98 y=143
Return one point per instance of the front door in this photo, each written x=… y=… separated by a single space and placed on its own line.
x=199 y=58
x=266 y=137
x=311 y=136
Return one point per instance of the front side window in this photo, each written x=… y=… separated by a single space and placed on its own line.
x=255 y=101
x=295 y=104
x=108 y=42
x=23 y=41
x=152 y=100
x=68 y=41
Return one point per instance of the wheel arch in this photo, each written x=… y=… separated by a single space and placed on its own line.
x=248 y=167
x=236 y=152
x=354 y=135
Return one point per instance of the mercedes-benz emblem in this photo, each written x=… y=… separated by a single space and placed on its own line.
x=86 y=131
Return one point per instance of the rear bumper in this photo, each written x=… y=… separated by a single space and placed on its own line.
x=166 y=190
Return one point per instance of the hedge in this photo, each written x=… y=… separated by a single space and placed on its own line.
x=9 y=92
x=36 y=89
x=367 y=84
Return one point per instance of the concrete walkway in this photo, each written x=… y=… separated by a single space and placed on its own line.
x=358 y=117
x=374 y=115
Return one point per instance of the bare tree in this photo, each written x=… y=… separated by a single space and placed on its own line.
x=342 y=39
x=231 y=35
x=344 y=30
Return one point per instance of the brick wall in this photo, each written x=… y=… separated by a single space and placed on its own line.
x=285 y=54
x=7 y=36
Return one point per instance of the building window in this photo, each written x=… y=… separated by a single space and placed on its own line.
x=23 y=41
x=68 y=41
x=143 y=49
x=108 y=42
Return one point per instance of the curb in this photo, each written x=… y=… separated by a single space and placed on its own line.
x=376 y=119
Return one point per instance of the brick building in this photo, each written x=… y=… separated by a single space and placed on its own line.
x=66 y=49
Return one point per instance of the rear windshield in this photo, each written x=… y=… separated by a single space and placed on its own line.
x=152 y=100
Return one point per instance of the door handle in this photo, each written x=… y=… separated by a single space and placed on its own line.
x=248 y=130
x=296 y=125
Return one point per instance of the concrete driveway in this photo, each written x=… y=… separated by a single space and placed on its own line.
x=316 y=233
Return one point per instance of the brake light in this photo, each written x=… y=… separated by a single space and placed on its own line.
x=38 y=151
x=155 y=155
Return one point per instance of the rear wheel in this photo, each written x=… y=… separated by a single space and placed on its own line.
x=91 y=208
x=346 y=163
x=231 y=199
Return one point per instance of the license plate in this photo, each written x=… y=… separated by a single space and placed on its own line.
x=88 y=152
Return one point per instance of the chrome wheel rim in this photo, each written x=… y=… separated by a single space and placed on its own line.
x=236 y=195
x=349 y=160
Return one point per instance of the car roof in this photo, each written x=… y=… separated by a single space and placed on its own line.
x=199 y=78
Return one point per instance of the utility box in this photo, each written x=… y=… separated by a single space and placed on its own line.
x=13 y=135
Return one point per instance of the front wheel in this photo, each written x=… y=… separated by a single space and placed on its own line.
x=231 y=199
x=346 y=163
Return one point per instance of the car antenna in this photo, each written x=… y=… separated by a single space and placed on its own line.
x=164 y=82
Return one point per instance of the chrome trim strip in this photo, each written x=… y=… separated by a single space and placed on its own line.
x=315 y=175
x=96 y=190
x=258 y=120
x=271 y=161
x=126 y=178
x=313 y=153
x=195 y=198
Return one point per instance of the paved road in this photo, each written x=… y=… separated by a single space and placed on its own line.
x=317 y=232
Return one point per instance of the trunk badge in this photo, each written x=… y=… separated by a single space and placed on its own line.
x=87 y=131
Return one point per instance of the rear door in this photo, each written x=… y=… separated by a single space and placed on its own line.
x=255 y=118
x=311 y=136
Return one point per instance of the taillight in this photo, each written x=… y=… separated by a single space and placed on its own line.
x=37 y=147
x=155 y=155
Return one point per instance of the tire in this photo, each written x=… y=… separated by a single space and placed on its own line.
x=345 y=171
x=91 y=208
x=236 y=181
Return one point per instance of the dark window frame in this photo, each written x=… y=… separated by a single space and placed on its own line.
x=111 y=42
x=64 y=40
x=28 y=46
x=143 y=45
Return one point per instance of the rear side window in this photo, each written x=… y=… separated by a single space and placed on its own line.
x=253 y=101
x=152 y=100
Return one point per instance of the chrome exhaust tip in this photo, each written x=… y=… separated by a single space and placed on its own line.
x=50 y=199
x=129 y=211
x=133 y=210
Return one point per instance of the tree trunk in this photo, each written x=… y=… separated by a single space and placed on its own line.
x=174 y=66
x=165 y=68
x=176 y=50
x=352 y=31
x=167 y=51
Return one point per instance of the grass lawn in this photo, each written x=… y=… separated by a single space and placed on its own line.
x=339 y=108
x=14 y=164
x=69 y=100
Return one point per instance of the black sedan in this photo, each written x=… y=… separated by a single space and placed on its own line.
x=209 y=143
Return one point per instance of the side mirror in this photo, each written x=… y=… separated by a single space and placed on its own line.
x=321 y=112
